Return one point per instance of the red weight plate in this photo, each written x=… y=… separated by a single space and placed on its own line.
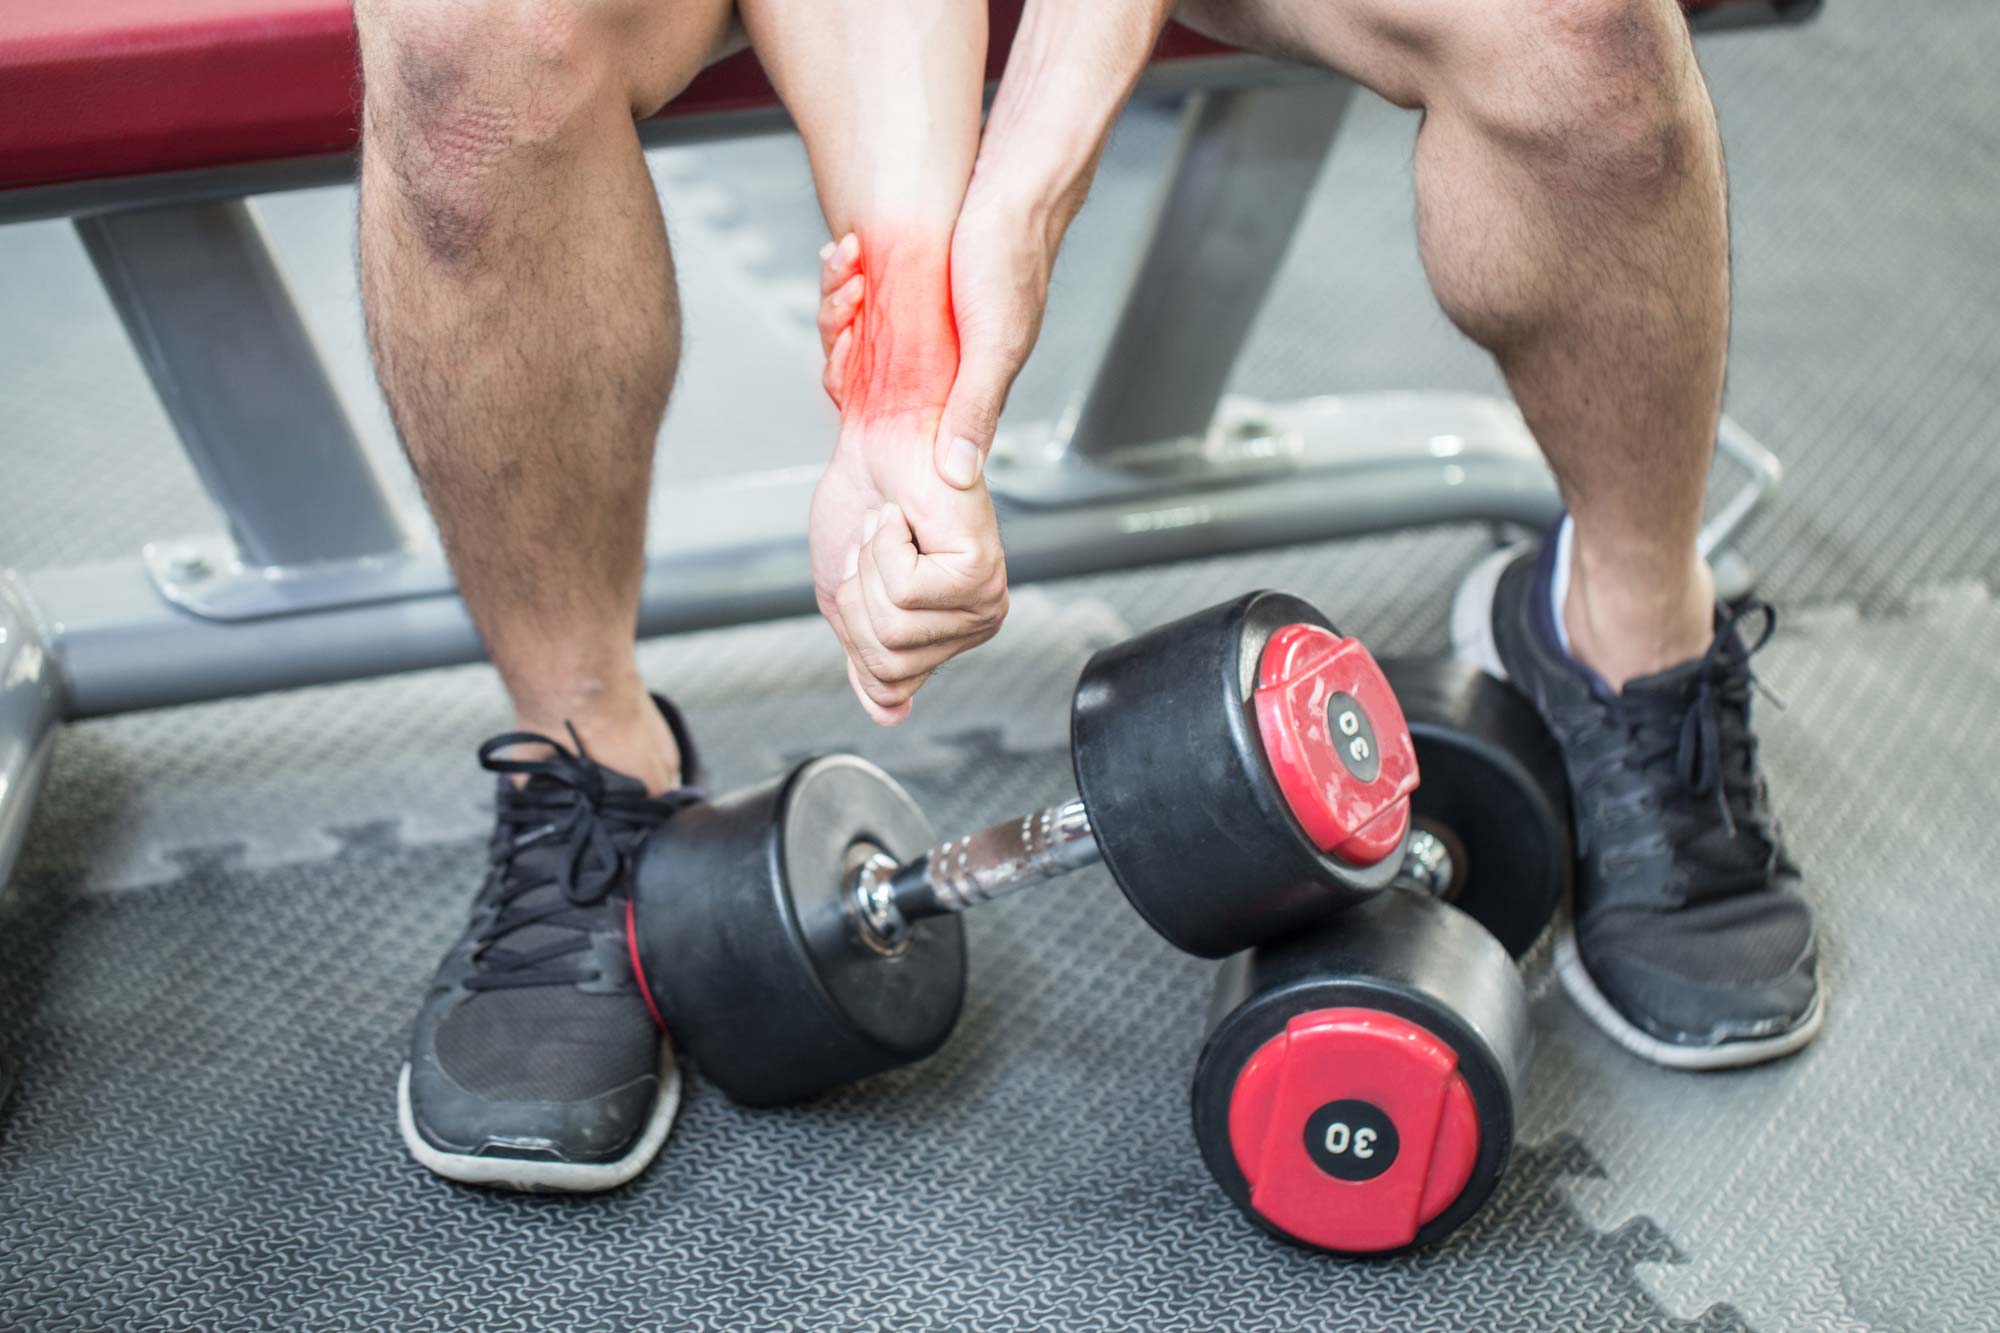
x=1353 y=1128
x=1336 y=740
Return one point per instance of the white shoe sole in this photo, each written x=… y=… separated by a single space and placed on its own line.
x=1472 y=612
x=548 y=1177
x=1583 y=992
x=1472 y=640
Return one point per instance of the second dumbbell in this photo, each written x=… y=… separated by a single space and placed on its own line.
x=1358 y=1089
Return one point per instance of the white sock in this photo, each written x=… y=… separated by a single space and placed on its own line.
x=1559 y=582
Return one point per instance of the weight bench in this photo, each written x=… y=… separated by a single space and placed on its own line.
x=148 y=122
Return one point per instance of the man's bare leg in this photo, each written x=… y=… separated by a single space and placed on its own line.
x=521 y=309
x=1571 y=207
x=522 y=313
x=1572 y=213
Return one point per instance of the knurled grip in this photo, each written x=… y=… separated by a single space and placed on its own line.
x=997 y=860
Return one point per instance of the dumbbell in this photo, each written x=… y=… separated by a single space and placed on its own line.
x=1242 y=773
x=1358 y=1086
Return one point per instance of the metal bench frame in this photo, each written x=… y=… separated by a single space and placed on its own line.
x=319 y=579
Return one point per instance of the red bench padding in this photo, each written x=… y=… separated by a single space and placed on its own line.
x=96 y=89
x=92 y=89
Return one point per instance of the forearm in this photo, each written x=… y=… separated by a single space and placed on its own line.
x=886 y=94
x=1069 y=73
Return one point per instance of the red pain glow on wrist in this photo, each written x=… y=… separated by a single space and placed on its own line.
x=903 y=353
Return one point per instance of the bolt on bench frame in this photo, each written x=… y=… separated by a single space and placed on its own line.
x=319 y=579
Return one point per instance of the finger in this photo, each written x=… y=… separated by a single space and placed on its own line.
x=837 y=311
x=838 y=262
x=868 y=660
x=834 y=378
x=972 y=411
x=872 y=632
x=892 y=674
x=914 y=643
x=924 y=636
x=970 y=577
x=829 y=607
x=887 y=717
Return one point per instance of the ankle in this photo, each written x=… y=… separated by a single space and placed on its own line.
x=1631 y=619
x=621 y=729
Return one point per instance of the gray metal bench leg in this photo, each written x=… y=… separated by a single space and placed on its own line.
x=1244 y=171
x=237 y=372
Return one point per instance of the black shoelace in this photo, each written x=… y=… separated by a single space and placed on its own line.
x=1705 y=732
x=595 y=831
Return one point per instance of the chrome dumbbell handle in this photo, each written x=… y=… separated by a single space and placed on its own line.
x=1015 y=853
x=1428 y=866
x=967 y=871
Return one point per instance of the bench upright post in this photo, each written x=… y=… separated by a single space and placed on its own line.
x=1244 y=170
x=236 y=370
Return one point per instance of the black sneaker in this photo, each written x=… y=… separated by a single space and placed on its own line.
x=536 y=1062
x=1688 y=941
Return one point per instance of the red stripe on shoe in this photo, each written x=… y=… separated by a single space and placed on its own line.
x=639 y=969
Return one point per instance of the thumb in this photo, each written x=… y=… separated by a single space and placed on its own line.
x=972 y=416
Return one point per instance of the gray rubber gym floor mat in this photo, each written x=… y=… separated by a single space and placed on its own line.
x=202 y=1133
x=1851 y=1187
x=222 y=1156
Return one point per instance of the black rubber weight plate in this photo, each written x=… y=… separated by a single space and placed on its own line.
x=1491 y=785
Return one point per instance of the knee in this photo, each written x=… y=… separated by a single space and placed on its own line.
x=459 y=94
x=471 y=73
x=1605 y=90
